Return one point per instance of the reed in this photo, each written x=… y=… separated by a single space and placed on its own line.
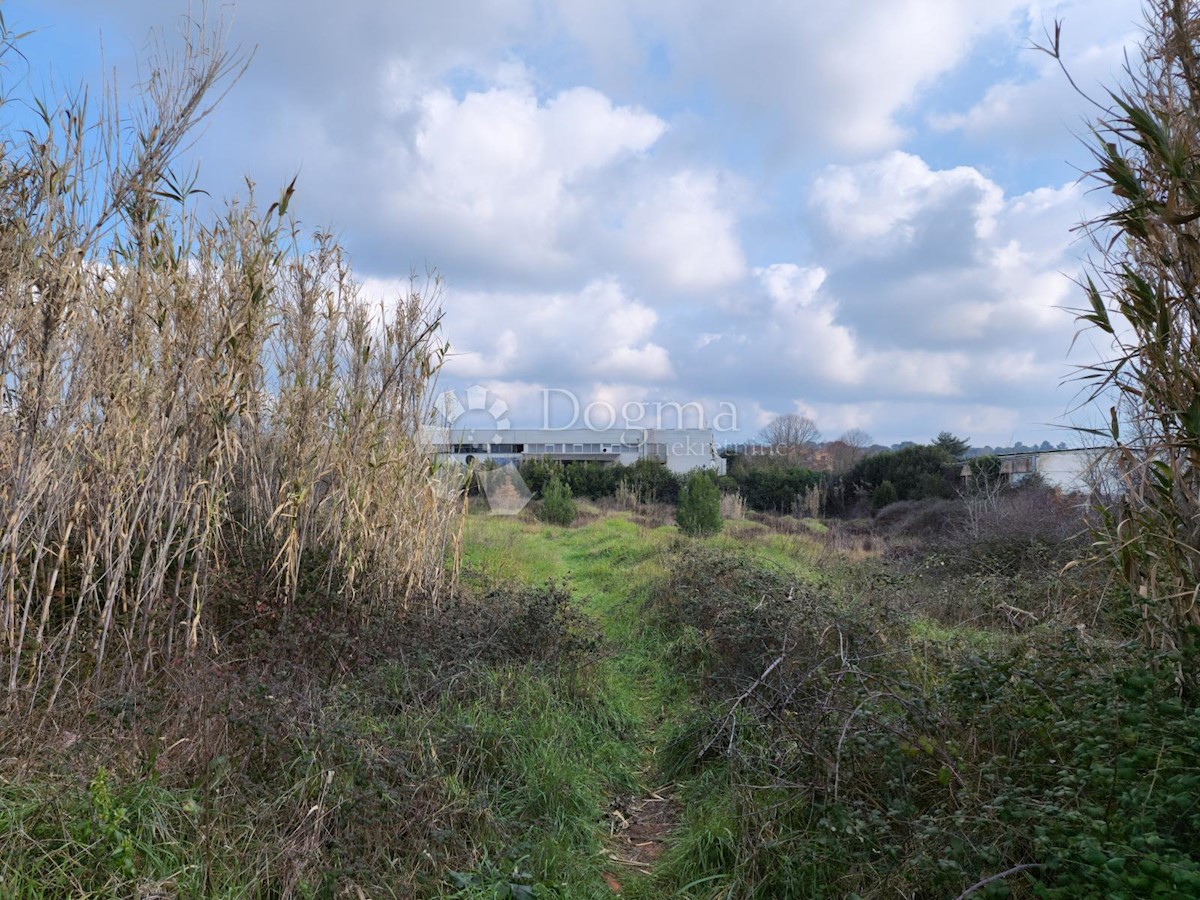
x=197 y=406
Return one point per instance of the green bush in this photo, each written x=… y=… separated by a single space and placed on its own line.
x=769 y=489
x=653 y=481
x=558 y=506
x=649 y=479
x=1071 y=764
x=592 y=479
x=538 y=472
x=884 y=495
x=916 y=473
x=699 y=510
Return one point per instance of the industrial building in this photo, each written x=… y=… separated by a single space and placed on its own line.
x=680 y=449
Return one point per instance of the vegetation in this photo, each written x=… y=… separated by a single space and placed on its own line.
x=791 y=437
x=190 y=405
x=699 y=510
x=771 y=489
x=885 y=494
x=558 y=506
x=823 y=712
x=254 y=648
x=647 y=479
x=955 y=446
x=914 y=473
x=1144 y=293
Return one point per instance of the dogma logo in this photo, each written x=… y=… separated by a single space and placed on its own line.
x=453 y=409
x=505 y=489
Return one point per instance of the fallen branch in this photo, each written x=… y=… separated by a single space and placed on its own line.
x=997 y=877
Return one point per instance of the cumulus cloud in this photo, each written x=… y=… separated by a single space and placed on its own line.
x=874 y=207
x=935 y=290
x=942 y=256
x=682 y=234
x=824 y=75
x=499 y=172
x=689 y=200
x=596 y=333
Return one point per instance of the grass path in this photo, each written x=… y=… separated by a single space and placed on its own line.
x=611 y=564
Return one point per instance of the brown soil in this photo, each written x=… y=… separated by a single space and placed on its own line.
x=640 y=830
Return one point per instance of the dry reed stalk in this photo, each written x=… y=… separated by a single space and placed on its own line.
x=184 y=398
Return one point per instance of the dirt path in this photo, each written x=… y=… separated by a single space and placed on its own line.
x=640 y=828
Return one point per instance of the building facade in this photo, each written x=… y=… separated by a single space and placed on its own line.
x=680 y=449
x=1082 y=471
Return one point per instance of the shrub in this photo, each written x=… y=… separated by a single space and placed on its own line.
x=558 y=506
x=653 y=481
x=592 y=480
x=538 y=472
x=919 y=517
x=771 y=489
x=1070 y=765
x=699 y=510
x=915 y=473
x=884 y=495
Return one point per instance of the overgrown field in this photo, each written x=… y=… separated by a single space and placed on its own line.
x=786 y=710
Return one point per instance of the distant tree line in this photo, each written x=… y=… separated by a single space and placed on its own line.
x=853 y=479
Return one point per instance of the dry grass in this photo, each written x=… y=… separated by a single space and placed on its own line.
x=191 y=403
x=733 y=506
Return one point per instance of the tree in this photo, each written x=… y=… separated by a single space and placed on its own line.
x=884 y=495
x=791 y=436
x=558 y=506
x=858 y=439
x=1143 y=292
x=699 y=509
x=955 y=446
x=846 y=452
x=914 y=473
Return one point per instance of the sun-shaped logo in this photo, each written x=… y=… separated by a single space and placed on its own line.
x=502 y=485
x=478 y=399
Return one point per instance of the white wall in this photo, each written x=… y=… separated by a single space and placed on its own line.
x=1074 y=471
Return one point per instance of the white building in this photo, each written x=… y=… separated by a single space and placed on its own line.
x=681 y=449
x=1071 y=471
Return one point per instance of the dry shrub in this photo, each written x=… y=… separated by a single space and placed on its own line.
x=628 y=496
x=733 y=506
x=996 y=558
x=919 y=517
x=190 y=403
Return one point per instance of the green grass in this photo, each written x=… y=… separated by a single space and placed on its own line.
x=514 y=762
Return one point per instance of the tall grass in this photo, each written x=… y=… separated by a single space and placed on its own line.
x=196 y=409
x=1144 y=298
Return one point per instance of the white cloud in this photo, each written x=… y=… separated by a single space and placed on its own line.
x=599 y=332
x=1038 y=109
x=497 y=171
x=683 y=235
x=828 y=75
x=872 y=207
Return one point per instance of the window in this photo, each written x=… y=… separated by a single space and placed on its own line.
x=1022 y=465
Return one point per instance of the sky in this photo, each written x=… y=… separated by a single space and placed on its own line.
x=860 y=212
